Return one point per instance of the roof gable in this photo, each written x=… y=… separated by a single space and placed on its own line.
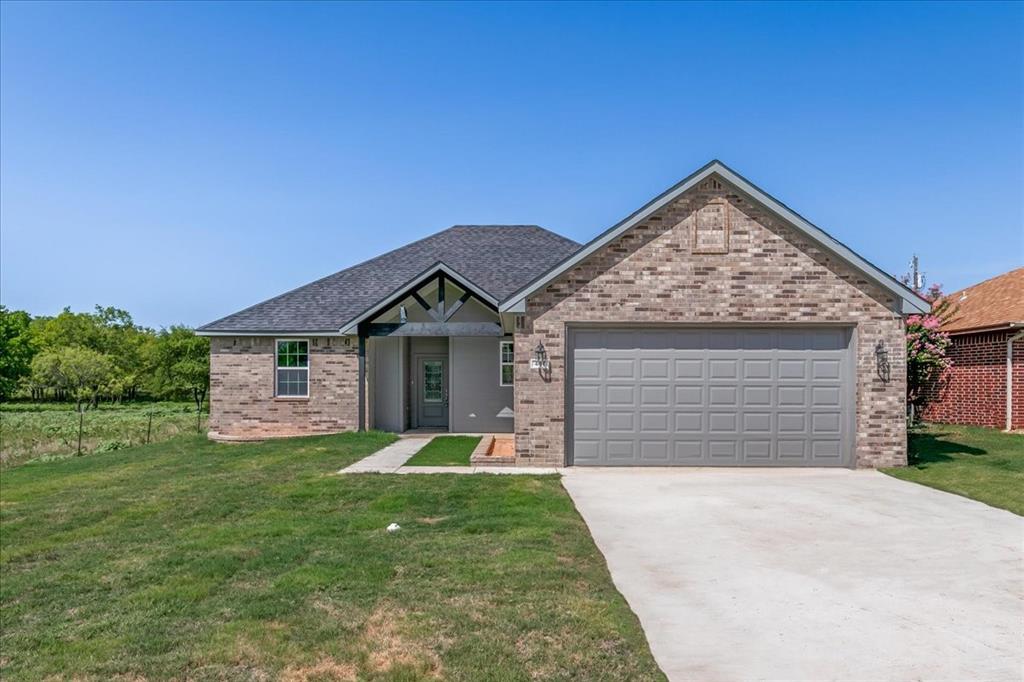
x=910 y=301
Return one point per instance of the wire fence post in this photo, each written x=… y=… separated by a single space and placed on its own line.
x=149 y=427
x=81 y=417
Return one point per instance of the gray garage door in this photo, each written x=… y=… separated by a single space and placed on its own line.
x=711 y=397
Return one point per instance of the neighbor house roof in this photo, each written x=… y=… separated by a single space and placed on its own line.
x=910 y=301
x=992 y=304
x=496 y=259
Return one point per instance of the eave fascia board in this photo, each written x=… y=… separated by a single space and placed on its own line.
x=996 y=327
x=351 y=327
x=910 y=302
x=279 y=334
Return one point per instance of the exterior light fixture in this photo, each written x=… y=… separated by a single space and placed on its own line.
x=540 y=358
x=882 y=362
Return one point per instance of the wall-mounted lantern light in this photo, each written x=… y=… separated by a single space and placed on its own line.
x=540 y=358
x=882 y=362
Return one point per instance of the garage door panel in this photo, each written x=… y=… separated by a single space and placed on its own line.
x=620 y=396
x=757 y=368
x=757 y=451
x=825 y=422
x=734 y=397
x=588 y=368
x=689 y=395
x=689 y=422
x=792 y=369
x=619 y=422
x=689 y=368
x=722 y=396
x=654 y=422
x=825 y=370
x=621 y=450
x=831 y=449
x=722 y=422
x=722 y=369
x=587 y=420
x=757 y=422
x=587 y=395
x=654 y=451
x=654 y=396
x=757 y=396
x=621 y=368
x=688 y=451
x=654 y=368
x=791 y=422
x=826 y=396
x=792 y=396
x=789 y=449
x=722 y=450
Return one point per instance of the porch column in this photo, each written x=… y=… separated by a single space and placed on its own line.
x=362 y=377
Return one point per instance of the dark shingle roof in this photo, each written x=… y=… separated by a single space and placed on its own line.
x=497 y=258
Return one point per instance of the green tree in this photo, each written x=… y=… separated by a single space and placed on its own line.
x=81 y=372
x=16 y=349
x=110 y=331
x=182 y=364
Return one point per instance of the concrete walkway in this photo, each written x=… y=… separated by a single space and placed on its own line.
x=535 y=471
x=810 y=574
x=392 y=459
x=387 y=460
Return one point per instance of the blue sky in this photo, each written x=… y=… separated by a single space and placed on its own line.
x=186 y=160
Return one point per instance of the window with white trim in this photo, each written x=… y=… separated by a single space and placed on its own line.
x=507 y=361
x=292 y=368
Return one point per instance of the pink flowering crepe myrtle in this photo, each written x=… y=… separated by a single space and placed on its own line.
x=927 y=344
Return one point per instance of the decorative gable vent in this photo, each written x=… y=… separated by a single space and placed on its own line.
x=711 y=227
x=711 y=183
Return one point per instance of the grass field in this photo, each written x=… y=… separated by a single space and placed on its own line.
x=983 y=464
x=192 y=560
x=445 y=451
x=50 y=430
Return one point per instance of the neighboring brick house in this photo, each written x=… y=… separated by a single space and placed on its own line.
x=713 y=326
x=985 y=384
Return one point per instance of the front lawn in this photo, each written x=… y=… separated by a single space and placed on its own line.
x=192 y=560
x=983 y=464
x=446 y=451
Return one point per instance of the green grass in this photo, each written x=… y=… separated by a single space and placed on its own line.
x=446 y=451
x=193 y=560
x=30 y=431
x=984 y=464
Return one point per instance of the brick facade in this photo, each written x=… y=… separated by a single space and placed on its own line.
x=761 y=271
x=242 y=401
x=973 y=390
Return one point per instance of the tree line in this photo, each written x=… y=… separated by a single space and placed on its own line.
x=86 y=358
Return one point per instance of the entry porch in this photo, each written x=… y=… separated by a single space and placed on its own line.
x=437 y=357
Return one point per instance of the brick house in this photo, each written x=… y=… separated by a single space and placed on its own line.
x=985 y=385
x=712 y=326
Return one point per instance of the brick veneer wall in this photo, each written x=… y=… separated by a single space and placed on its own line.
x=771 y=273
x=973 y=390
x=242 y=401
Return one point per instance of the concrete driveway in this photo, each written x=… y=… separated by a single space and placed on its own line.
x=810 y=574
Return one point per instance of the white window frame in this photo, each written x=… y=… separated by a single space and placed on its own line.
x=502 y=363
x=277 y=392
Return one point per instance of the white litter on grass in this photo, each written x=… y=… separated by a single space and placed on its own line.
x=393 y=527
